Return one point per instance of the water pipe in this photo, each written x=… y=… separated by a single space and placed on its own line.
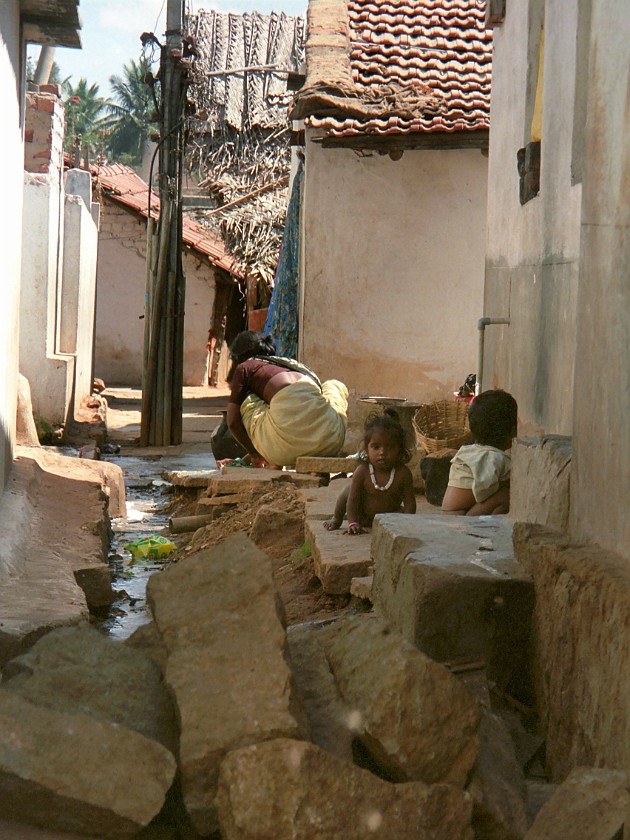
x=482 y=323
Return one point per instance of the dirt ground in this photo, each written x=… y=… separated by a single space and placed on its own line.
x=299 y=589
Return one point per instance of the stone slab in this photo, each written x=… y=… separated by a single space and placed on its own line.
x=337 y=557
x=64 y=771
x=319 y=502
x=591 y=804
x=541 y=472
x=285 y=789
x=327 y=714
x=78 y=669
x=451 y=586
x=21 y=831
x=325 y=465
x=412 y=716
x=361 y=587
x=219 y=619
x=244 y=480
x=189 y=479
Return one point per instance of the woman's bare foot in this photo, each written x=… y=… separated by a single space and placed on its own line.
x=332 y=524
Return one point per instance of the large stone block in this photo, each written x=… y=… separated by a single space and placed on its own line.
x=289 y=789
x=591 y=804
x=312 y=464
x=38 y=590
x=71 y=772
x=451 y=586
x=337 y=557
x=77 y=669
x=580 y=624
x=218 y=616
x=539 y=487
x=319 y=502
x=412 y=715
x=498 y=785
x=329 y=718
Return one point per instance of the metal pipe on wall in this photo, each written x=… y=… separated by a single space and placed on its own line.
x=482 y=323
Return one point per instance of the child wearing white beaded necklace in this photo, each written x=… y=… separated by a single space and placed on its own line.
x=382 y=483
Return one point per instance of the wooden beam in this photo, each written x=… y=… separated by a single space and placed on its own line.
x=495 y=12
x=409 y=142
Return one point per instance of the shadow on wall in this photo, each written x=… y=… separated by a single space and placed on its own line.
x=6 y=453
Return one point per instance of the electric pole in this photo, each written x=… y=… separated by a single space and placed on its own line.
x=162 y=380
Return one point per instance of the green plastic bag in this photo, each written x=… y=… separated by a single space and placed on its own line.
x=153 y=547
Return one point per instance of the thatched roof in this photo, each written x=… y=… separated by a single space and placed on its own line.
x=238 y=148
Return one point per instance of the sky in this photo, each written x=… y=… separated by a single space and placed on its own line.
x=111 y=32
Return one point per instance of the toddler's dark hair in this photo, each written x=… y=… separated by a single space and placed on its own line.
x=492 y=418
x=389 y=424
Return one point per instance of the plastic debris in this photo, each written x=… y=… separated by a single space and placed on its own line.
x=153 y=547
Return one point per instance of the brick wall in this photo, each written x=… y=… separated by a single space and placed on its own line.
x=43 y=131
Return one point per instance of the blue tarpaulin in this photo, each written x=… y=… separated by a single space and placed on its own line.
x=282 y=318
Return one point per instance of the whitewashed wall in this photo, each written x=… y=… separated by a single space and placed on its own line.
x=120 y=302
x=11 y=155
x=392 y=269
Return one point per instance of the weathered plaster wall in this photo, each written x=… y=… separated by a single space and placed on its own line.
x=581 y=639
x=120 y=302
x=599 y=490
x=79 y=291
x=533 y=250
x=49 y=373
x=392 y=269
x=11 y=155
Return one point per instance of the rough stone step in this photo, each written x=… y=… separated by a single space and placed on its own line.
x=451 y=586
x=312 y=464
x=243 y=480
x=337 y=557
x=361 y=587
x=189 y=479
x=319 y=502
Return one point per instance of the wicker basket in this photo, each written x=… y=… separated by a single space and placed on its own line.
x=442 y=425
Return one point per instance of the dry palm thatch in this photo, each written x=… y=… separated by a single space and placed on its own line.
x=238 y=147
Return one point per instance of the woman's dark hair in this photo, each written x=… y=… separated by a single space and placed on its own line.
x=389 y=424
x=492 y=418
x=248 y=344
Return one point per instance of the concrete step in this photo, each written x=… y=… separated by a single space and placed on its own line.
x=451 y=586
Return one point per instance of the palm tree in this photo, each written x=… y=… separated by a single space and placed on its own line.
x=131 y=112
x=85 y=112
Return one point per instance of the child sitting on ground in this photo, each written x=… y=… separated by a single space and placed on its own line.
x=382 y=483
x=479 y=479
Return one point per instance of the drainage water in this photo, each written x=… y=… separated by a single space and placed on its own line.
x=148 y=497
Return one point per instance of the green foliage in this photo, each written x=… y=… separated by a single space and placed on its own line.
x=55 y=73
x=48 y=435
x=301 y=554
x=130 y=113
x=86 y=113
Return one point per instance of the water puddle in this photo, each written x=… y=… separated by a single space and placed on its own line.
x=148 y=499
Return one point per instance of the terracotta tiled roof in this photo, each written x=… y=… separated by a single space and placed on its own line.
x=126 y=187
x=440 y=43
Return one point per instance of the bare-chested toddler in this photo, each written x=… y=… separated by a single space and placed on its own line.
x=383 y=484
